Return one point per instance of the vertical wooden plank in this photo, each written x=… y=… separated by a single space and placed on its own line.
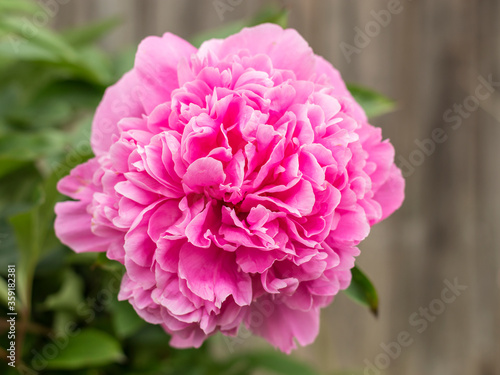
x=65 y=16
x=486 y=253
x=427 y=82
x=145 y=16
x=124 y=34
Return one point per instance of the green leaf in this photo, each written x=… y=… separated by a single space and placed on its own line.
x=57 y=102
x=41 y=37
x=17 y=6
x=86 y=259
x=280 y=364
x=94 y=66
x=33 y=230
x=89 y=348
x=27 y=230
x=123 y=62
x=4 y=290
x=372 y=102
x=8 y=95
x=109 y=265
x=69 y=296
x=4 y=294
x=8 y=249
x=8 y=165
x=362 y=291
x=61 y=321
x=88 y=34
x=31 y=145
x=125 y=320
x=21 y=185
x=15 y=48
x=270 y=14
x=274 y=362
x=19 y=191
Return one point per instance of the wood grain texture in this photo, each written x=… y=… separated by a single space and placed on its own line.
x=429 y=58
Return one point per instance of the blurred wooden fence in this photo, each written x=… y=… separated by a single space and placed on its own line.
x=429 y=57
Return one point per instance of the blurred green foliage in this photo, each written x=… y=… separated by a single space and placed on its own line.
x=69 y=320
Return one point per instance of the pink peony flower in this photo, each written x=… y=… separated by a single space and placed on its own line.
x=233 y=182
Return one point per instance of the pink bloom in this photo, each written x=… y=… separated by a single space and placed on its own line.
x=234 y=182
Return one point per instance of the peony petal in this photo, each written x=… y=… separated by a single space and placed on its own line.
x=391 y=194
x=286 y=48
x=252 y=260
x=210 y=274
x=120 y=101
x=193 y=339
x=73 y=228
x=163 y=218
x=352 y=228
x=79 y=184
x=156 y=66
x=139 y=246
x=282 y=325
x=204 y=172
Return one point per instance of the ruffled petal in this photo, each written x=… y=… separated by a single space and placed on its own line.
x=122 y=100
x=210 y=274
x=391 y=194
x=156 y=66
x=286 y=48
x=280 y=325
x=73 y=228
